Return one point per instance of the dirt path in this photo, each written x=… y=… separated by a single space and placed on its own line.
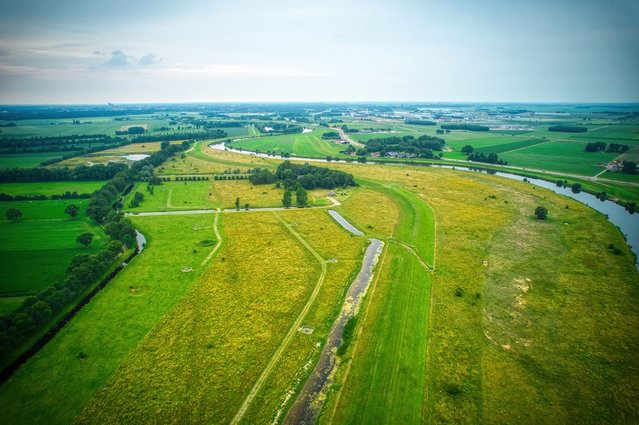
x=292 y=330
x=218 y=236
x=346 y=137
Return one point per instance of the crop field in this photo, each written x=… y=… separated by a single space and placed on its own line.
x=306 y=144
x=37 y=249
x=50 y=391
x=624 y=134
x=50 y=188
x=559 y=156
x=27 y=160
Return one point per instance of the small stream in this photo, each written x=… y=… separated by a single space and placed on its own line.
x=616 y=214
x=310 y=400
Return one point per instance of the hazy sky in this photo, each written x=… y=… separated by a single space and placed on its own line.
x=85 y=51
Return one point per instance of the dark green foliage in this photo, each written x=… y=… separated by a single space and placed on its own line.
x=72 y=210
x=541 y=213
x=301 y=196
x=85 y=238
x=568 y=128
x=287 y=200
x=629 y=167
x=347 y=335
x=262 y=176
x=595 y=147
x=312 y=177
x=420 y=122
x=331 y=135
x=81 y=172
x=467 y=127
x=421 y=147
x=237 y=203
x=459 y=292
x=576 y=188
x=467 y=149
x=491 y=158
x=13 y=214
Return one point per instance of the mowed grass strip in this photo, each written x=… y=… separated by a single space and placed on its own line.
x=54 y=386
x=200 y=361
x=386 y=381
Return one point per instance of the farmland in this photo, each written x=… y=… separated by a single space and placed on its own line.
x=477 y=312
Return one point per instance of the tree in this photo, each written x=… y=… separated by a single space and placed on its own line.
x=85 y=239
x=576 y=188
x=301 y=196
x=287 y=199
x=237 y=203
x=13 y=214
x=541 y=213
x=72 y=210
x=629 y=167
x=467 y=149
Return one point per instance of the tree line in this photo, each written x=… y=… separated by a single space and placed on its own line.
x=568 y=128
x=81 y=172
x=603 y=147
x=467 y=127
x=65 y=195
x=420 y=122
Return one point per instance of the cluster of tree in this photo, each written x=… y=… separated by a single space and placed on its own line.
x=104 y=200
x=66 y=195
x=331 y=135
x=601 y=147
x=137 y=198
x=467 y=127
x=422 y=147
x=136 y=129
x=262 y=176
x=311 y=177
x=491 y=158
x=35 y=311
x=629 y=167
x=81 y=172
x=441 y=131
x=568 y=128
x=541 y=213
x=420 y=122
x=301 y=197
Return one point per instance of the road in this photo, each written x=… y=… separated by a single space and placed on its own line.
x=346 y=137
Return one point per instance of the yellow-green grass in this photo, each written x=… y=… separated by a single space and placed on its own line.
x=203 y=159
x=209 y=194
x=49 y=188
x=199 y=362
x=332 y=242
x=371 y=212
x=386 y=381
x=27 y=160
x=567 y=157
x=54 y=386
x=565 y=366
x=301 y=144
x=35 y=252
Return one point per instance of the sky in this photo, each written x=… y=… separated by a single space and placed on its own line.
x=138 y=51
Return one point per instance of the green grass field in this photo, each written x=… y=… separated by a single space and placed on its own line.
x=559 y=156
x=37 y=249
x=304 y=144
x=49 y=188
x=27 y=160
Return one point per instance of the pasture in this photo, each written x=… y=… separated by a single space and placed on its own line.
x=37 y=249
x=300 y=144
x=27 y=160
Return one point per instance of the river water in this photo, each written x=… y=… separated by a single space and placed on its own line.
x=616 y=214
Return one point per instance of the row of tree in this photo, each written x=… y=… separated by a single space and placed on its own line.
x=603 y=147
x=568 y=129
x=422 y=147
x=81 y=172
x=467 y=127
x=66 y=195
